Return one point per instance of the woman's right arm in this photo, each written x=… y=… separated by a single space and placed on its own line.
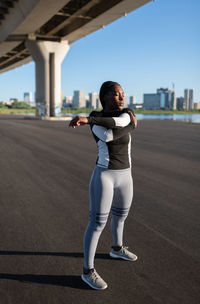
x=108 y=135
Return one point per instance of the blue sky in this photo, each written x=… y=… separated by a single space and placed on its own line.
x=152 y=47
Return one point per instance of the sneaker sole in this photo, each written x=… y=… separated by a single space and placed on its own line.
x=121 y=257
x=92 y=286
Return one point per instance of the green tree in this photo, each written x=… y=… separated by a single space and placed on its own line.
x=20 y=105
x=2 y=105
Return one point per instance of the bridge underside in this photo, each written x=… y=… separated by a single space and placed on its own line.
x=42 y=30
x=53 y=21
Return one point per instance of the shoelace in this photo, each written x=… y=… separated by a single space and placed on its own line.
x=94 y=275
x=124 y=248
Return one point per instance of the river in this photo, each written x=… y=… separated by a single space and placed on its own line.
x=192 y=118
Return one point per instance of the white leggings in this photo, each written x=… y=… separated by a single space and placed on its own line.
x=109 y=189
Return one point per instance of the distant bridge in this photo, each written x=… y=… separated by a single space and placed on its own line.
x=42 y=30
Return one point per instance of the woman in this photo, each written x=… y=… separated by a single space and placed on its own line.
x=111 y=185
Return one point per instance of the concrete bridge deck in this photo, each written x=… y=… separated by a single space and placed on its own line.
x=45 y=169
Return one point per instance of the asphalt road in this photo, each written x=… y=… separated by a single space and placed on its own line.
x=45 y=168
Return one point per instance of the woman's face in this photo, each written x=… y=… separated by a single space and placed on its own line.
x=114 y=99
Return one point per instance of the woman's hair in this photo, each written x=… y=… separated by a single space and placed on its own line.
x=106 y=87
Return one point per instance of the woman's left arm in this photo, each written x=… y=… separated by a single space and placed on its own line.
x=78 y=121
x=111 y=122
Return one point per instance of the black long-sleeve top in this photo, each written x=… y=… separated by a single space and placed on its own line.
x=112 y=132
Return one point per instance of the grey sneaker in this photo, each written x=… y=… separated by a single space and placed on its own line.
x=124 y=254
x=94 y=280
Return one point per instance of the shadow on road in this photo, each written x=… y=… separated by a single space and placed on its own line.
x=61 y=254
x=72 y=281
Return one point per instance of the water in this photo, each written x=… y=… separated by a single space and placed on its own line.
x=194 y=118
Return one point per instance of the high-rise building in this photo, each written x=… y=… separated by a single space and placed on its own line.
x=191 y=100
x=67 y=101
x=188 y=99
x=132 y=100
x=164 y=99
x=93 y=100
x=151 y=101
x=62 y=97
x=167 y=99
x=172 y=99
x=197 y=105
x=126 y=101
x=164 y=104
x=79 y=99
x=28 y=97
x=99 y=106
x=180 y=103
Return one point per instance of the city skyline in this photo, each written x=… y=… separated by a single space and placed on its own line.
x=154 y=46
x=87 y=94
x=163 y=99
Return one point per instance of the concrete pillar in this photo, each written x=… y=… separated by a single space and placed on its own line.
x=48 y=57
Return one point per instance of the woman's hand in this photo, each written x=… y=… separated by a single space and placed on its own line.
x=78 y=121
x=133 y=118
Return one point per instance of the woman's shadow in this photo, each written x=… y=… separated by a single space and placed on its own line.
x=73 y=281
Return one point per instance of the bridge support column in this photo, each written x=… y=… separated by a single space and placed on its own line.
x=48 y=57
